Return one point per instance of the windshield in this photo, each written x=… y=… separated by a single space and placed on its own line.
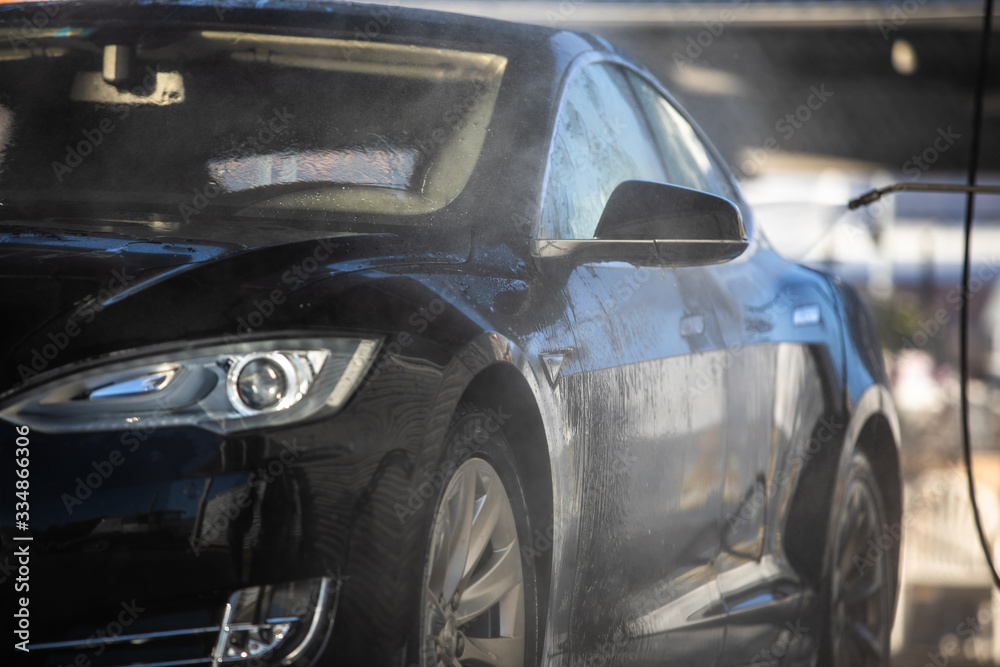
x=257 y=124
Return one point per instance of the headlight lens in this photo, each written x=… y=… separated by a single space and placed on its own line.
x=222 y=388
x=261 y=383
x=273 y=381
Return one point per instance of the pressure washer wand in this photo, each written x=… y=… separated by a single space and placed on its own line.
x=875 y=195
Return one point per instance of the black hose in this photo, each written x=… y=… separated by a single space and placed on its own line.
x=977 y=122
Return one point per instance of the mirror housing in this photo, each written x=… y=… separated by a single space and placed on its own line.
x=645 y=210
x=656 y=223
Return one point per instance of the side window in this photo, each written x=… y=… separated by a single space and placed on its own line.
x=689 y=163
x=600 y=140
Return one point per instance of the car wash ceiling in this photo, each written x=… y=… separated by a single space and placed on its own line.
x=898 y=72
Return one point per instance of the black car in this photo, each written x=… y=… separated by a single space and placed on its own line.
x=354 y=335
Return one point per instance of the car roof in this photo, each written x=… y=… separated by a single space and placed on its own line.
x=359 y=20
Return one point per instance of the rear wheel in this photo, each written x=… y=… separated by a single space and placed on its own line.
x=478 y=595
x=860 y=614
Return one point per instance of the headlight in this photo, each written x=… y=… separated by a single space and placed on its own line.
x=222 y=388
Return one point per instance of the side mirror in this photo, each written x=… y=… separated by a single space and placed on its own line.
x=645 y=210
x=657 y=223
x=688 y=226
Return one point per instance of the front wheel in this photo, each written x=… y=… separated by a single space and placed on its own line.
x=860 y=585
x=478 y=595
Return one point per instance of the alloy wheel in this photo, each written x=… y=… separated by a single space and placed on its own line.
x=473 y=594
x=860 y=614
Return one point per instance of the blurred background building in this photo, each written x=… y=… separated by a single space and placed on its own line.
x=813 y=103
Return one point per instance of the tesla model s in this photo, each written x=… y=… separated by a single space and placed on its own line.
x=345 y=334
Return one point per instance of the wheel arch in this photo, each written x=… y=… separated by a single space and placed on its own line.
x=877 y=442
x=873 y=429
x=495 y=375
x=878 y=439
x=501 y=386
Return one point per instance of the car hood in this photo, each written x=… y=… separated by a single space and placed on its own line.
x=72 y=295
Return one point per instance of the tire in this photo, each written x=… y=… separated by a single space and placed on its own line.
x=478 y=588
x=860 y=584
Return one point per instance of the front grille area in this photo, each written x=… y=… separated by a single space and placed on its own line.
x=161 y=640
x=263 y=624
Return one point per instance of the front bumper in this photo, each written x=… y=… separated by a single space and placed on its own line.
x=175 y=521
x=264 y=625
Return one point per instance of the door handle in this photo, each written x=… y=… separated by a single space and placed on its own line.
x=692 y=325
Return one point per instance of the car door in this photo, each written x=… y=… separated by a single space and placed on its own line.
x=650 y=453
x=774 y=394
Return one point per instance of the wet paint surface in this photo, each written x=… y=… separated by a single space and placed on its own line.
x=681 y=428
